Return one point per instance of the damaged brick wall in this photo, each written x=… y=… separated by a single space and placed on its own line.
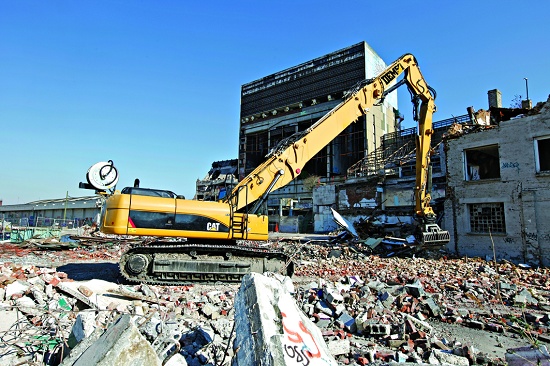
x=510 y=211
x=357 y=196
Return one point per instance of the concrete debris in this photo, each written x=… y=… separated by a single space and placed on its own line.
x=378 y=234
x=401 y=304
x=354 y=309
x=528 y=355
x=270 y=329
x=50 y=319
x=438 y=357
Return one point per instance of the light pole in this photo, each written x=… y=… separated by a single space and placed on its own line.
x=65 y=210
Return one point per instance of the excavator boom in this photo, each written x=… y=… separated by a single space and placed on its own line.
x=286 y=161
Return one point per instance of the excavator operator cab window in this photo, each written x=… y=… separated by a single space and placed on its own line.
x=148 y=192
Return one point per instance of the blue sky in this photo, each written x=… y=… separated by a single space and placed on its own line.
x=154 y=85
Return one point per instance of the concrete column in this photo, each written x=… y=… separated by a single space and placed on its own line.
x=530 y=232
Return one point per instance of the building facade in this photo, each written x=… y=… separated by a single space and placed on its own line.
x=289 y=101
x=498 y=190
x=70 y=211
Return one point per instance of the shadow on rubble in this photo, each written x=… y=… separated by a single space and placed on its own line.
x=99 y=271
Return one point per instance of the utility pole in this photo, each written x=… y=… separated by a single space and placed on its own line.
x=65 y=210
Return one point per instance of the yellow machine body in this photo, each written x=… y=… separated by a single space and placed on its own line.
x=142 y=215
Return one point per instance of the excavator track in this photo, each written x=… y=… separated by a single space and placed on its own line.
x=165 y=263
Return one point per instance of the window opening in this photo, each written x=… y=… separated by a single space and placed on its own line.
x=482 y=163
x=487 y=217
x=542 y=154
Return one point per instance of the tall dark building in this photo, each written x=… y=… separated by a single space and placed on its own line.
x=281 y=104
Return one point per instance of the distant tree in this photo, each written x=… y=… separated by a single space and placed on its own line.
x=516 y=102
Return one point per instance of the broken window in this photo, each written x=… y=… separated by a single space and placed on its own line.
x=487 y=218
x=542 y=154
x=482 y=163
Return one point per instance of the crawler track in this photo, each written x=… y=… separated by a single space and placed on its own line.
x=165 y=263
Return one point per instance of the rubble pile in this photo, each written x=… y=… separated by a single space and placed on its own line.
x=369 y=309
x=380 y=226
x=380 y=234
x=58 y=253
x=45 y=317
x=388 y=309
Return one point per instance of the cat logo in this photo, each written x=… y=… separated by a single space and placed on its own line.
x=213 y=226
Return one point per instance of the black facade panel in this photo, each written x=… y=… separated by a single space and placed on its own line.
x=330 y=74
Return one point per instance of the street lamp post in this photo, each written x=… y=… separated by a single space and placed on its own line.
x=65 y=210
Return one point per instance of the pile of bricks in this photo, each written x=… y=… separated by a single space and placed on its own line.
x=380 y=309
x=370 y=310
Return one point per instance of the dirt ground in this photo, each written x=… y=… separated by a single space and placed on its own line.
x=494 y=345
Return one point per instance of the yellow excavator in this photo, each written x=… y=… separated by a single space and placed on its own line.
x=198 y=240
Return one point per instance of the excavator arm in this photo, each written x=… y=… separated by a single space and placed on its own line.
x=286 y=161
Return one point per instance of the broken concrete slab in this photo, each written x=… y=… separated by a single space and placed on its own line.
x=339 y=347
x=270 y=328
x=16 y=288
x=101 y=295
x=77 y=295
x=121 y=344
x=438 y=357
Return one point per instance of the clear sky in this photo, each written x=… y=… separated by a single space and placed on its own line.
x=155 y=85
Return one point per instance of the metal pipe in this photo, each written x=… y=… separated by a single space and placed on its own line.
x=268 y=190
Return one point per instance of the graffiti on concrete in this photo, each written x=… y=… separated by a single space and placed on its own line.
x=510 y=165
x=302 y=345
x=537 y=236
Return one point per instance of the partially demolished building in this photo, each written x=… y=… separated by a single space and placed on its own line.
x=491 y=173
x=279 y=105
x=220 y=179
x=498 y=177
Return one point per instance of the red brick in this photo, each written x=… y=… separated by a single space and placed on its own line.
x=54 y=281
x=418 y=335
